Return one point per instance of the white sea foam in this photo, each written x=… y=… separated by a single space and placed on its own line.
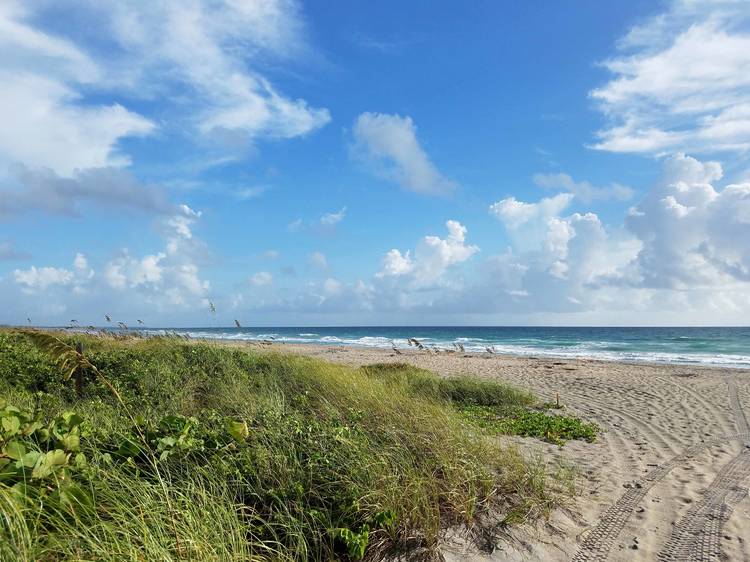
x=524 y=346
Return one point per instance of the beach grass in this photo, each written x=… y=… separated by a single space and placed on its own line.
x=210 y=452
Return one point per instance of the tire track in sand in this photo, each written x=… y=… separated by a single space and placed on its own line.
x=599 y=541
x=697 y=536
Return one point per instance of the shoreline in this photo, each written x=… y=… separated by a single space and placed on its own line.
x=540 y=354
x=270 y=344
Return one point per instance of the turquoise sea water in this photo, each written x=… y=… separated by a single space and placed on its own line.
x=727 y=347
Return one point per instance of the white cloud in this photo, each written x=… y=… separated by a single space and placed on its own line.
x=583 y=190
x=169 y=277
x=693 y=234
x=210 y=48
x=128 y=272
x=528 y=223
x=34 y=279
x=200 y=60
x=389 y=144
x=433 y=256
x=37 y=280
x=182 y=222
x=22 y=44
x=332 y=219
x=395 y=264
x=261 y=279
x=44 y=122
x=44 y=125
x=681 y=82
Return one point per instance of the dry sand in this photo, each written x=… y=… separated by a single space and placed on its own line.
x=665 y=480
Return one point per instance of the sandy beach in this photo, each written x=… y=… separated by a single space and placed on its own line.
x=664 y=481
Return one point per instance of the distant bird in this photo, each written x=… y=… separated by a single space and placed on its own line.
x=140 y=321
x=490 y=350
x=74 y=321
x=394 y=348
x=211 y=307
x=28 y=320
x=237 y=323
x=108 y=317
x=122 y=325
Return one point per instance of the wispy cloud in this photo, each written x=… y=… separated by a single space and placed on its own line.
x=583 y=190
x=332 y=219
x=681 y=82
x=389 y=144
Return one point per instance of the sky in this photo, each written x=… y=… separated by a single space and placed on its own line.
x=375 y=163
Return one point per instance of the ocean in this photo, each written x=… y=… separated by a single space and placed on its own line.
x=725 y=347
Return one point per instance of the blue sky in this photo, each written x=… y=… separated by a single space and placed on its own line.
x=375 y=163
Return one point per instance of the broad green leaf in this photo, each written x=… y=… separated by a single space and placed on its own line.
x=11 y=425
x=238 y=430
x=72 y=419
x=49 y=463
x=71 y=443
x=80 y=460
x=31 y=427
x=15 y=450
x=166 y=443
x=30 y=459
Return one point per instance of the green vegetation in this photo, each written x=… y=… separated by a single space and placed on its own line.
x=495 y=407
x=161 y=449
x=531 y=423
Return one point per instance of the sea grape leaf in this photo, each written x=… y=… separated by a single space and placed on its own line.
x=15 y=450
x=11 y=425
x=238 y=430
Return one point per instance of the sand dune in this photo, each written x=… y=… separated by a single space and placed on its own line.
x=665 y=481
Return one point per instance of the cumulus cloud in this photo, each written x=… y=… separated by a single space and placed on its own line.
x=37 y=280
x=433 y=256
x=389 y=144
x=33 y=279
x=683 y=247
x=168 y=277
x=693 y=234
x=583 y=190
x=555 y=258
x=681 y=81
x=527 y=223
